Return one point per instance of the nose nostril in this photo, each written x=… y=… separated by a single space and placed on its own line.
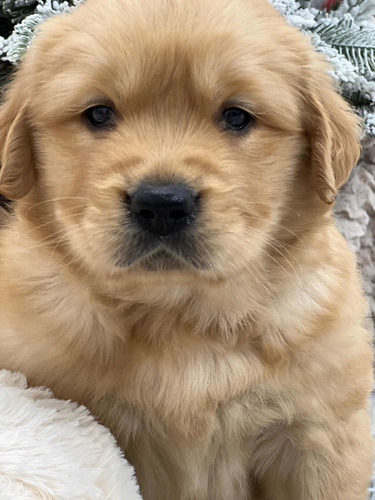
x=146 y=214
x=162 y=209
x=177 y=214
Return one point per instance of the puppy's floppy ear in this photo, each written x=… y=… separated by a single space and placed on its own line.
x=333 y=130
x=17 y=173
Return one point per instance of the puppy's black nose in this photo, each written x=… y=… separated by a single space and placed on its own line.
x=163 y=209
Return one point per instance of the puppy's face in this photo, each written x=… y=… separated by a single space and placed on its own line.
x=177 y=137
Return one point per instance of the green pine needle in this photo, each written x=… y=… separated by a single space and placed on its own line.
x=356 y=43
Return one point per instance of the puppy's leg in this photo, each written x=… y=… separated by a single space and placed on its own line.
x=315 y=461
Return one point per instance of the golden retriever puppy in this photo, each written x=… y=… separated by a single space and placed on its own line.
x=172 y=261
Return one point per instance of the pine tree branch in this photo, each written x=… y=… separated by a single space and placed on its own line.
x=356 y=43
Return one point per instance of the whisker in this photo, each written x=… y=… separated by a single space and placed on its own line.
x=276 y=261
x=59 y=241
x=262 y=219
x=269 y=206
x=60 y=264
x=273 y=243
x=259 y=237
x=55 y=199
x=40 y=242
x=36 y=228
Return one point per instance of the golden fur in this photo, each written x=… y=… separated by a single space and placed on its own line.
x=246 y=378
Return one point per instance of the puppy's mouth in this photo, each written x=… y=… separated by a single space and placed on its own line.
x=167 y=253
x=163 y=259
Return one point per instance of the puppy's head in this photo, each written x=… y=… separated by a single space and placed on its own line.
x=174 y=136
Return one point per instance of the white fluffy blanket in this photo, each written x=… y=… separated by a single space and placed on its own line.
x=55 y=450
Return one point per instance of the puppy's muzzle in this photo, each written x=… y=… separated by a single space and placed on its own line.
x=163 y=209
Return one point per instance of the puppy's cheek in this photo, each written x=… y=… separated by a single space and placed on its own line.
x=96 y=237
x=237 y=250
x=237 y=231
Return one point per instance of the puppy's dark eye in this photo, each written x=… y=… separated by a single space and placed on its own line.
x=236 y=119
x=99 y=116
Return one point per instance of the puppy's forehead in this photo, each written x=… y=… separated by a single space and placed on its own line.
x=123 y=49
